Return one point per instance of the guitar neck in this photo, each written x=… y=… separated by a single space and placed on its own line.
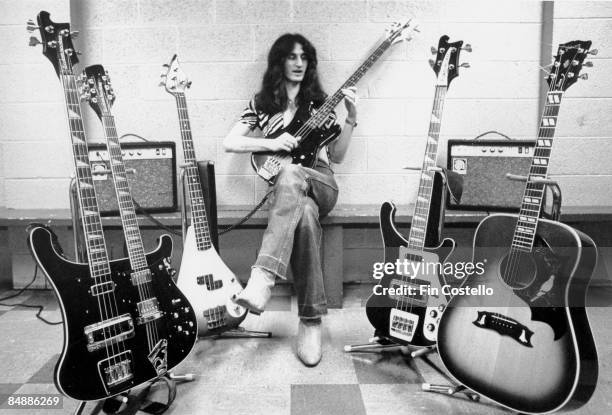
x=333 y=100
x=192 y=178
x=420 y=218
x=127 y=211
x=90 y=214
x=531 y=204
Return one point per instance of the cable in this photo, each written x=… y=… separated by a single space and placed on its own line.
x=154 y=220
x=228 y=228
x=134 y=135
x=38 y=306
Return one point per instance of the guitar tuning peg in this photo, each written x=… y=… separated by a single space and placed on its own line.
x=431 y=63
x=584 y=76
x=188 y=84
x=34 y=41
x=31 y=26
x=434 y=50
x=467 y=47
x=74 y=34
x=165 y=65
x=465 y=65
x=588 y=64
x=593 y=52
x=162 y=83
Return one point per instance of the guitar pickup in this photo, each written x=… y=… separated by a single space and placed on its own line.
x=102 y=288
x=116 y=369
x=141 y=277
x=108 y=332
x=210 y=282
x=148 y=310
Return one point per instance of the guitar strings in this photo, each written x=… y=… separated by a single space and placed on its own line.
x=67 y=78
x=127 y=211
x=200 y=224
x=545 y=134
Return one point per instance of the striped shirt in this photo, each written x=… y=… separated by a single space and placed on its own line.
x=269 y=124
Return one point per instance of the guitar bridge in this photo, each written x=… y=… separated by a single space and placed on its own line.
x=148 y=310
x=116 y=369
x=215 y=317
x=402 y=324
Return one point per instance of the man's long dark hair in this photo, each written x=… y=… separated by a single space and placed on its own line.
x=273 y=96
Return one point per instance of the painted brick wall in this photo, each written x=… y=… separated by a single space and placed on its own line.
x=223 y=44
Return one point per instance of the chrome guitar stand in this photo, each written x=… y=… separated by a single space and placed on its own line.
x=238 y=332
x=452 y=182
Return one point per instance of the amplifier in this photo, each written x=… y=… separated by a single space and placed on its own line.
x=151 y=168
x=483 y=165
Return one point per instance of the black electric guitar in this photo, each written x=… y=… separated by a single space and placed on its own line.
x=308 y=128
x=412 y=317
x=527 y=345
x=108 y=328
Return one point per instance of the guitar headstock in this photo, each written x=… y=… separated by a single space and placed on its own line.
x=56 y=40
x=401 y=30
x=97 y=90
x=446 y=64
x=173 y=79
x=568 y=62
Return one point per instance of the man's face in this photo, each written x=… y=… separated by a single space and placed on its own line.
x=296 y=64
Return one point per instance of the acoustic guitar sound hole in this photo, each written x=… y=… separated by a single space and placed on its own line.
x=518 y=269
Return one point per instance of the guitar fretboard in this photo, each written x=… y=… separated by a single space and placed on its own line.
x=333 y=100
x=127 y=211
x=92 y=224
x=192 y=177
x=533 y=196
x=420 y=218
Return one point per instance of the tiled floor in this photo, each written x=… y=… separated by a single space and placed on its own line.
x=262 y=376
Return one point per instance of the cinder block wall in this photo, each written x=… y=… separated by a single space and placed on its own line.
x=582 y=157
x=223 y=44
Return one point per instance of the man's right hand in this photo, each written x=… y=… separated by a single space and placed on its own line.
x=284 y=142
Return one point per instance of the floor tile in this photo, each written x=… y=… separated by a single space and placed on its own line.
x=326 y=400
x=45 y=373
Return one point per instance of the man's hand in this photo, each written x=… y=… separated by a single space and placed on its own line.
x=284 y=142
x=350 y=101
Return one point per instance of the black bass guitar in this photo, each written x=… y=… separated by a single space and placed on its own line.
x=526 y=344
x=412 y=317
x=313 y=137
x=114 y=339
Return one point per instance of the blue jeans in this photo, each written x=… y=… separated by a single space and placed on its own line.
x=301 y=196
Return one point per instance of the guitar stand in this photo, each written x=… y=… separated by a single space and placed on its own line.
x=120 y=403
x=235 y=333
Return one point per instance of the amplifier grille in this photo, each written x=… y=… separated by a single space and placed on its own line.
x=483 y=165
x=151 y=170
